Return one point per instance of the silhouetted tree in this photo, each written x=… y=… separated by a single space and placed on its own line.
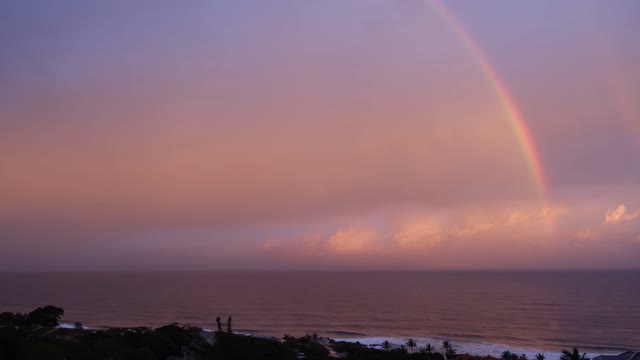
x=508 y=355
x=45 y=316
x=539 y=356
x=386 y=345
x=219 y=323
x=411 y=344
x=449 y=351
x=77 y=325
x=12 y=319
x=229 y=324
x=428 y=349
x=307 y=338
x=573 y=355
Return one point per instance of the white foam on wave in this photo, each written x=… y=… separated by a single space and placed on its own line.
x=70 y=326
x=462 y=347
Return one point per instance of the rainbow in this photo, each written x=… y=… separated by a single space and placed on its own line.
x=518 y=123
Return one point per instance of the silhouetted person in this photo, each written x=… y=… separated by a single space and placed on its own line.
x=219 y=322
x=229 y=324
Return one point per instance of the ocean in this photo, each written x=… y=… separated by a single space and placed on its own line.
x=480 y=312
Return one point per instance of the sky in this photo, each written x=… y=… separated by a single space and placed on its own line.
x=327 y=135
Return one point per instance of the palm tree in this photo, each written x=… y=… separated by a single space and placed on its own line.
x=449 y=351
x=508 y=355
x=539 y=356
x=386 y=345
x=411 y=344
x=573 y=355
x=428 y=349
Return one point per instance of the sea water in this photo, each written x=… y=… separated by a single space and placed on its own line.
x=480 y=312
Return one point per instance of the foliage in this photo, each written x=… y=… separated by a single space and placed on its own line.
x=236 y=347
x=411 y=343
x=308 y=345
x=12 y=319
x=508 y=355
x=34 y=337
x=573 y=355
x=48 y=316
x=449 y=350
x=45 y=316
x=348 y=348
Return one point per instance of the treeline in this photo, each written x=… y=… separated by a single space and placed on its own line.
x=35 y=336
x=42 y=316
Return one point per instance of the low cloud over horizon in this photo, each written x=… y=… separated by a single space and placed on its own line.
x=225 y=136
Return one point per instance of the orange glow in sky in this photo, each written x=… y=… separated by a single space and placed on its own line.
x=328 y=135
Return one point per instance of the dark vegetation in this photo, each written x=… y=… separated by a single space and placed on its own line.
x=573 y=355
x=42 y=316
x=35 y=336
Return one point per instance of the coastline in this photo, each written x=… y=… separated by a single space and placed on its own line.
x=463 y=347
x=548 y=311
x=481 y=349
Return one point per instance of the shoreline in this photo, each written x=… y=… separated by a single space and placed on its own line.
x=479 y=348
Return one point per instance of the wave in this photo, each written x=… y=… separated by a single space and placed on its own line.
x=468 y=347
x=346 y=333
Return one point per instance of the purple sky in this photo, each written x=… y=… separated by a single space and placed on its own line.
x=153 y=135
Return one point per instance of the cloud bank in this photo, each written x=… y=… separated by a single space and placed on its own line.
x=229 y=135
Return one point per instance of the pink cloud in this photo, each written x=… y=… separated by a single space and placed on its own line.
x=418 y=234
x=619 y=214
x=410 y=233
x=354 y=240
